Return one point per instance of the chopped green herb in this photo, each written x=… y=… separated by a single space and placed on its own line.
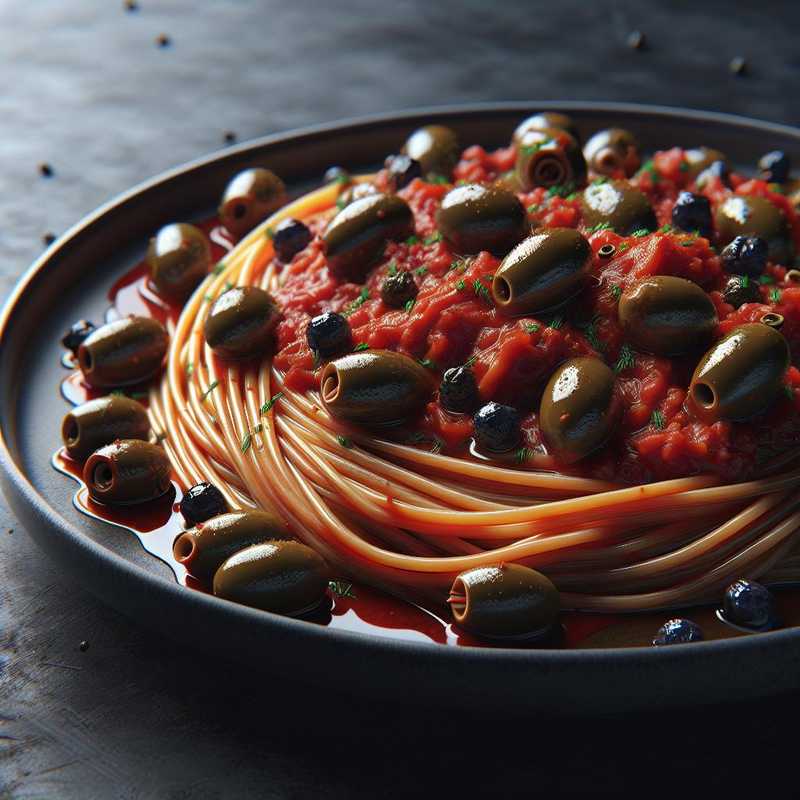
x=436 y=445
x=688 y=242
x=482 y=291
x=437 y=179
x=213 y=385
x=342 y=589
x=571 y=196
x=590 y=332
x=208 y=298
x=766 y=279
x=561 y=190
x=189 y=368
x=421 y=271
x=343 y=179
x=358 y=302
x=532 y=327
x=789 y=391
x=626 y=359
x=622 y=247
x=361 y=346
x=270 y=233
x=523 y=454
x=601 y=226
x=666 y=228
x=684 y=166
x=649 y=166
x=427 y=363
x=340 y=203
x=616 y=291
x=657 y=420
x=412 y=240
x=246 y=442
x=775 y=295
x=556 y=322
x=470 y=361
x=534 y=208
x=410 y=303
x=344 y=441
x=744 y=281
x=599 y=181
x=227 y=286
x=267 y=407
x=641 y=232
x=530 y=149
x=433 y=238
x=460 y=285
x=219 y=267
x=392 y=271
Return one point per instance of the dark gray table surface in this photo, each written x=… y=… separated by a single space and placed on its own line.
x=87 y=89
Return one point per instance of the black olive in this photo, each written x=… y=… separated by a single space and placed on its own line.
x=496 y=428
x=78 y=331
x=692 y=212
x=717 y=169
x=678 y=631
x=745 y=255
x=458 y=391
x=775 y=166
x=741 y=215
x=289 y=238
x=202 y=502
x=398 y=289
x=741 y=289
x=750 y=605
x=329 y=335
x=402 y=170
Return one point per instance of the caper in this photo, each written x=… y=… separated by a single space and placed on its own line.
x=101 y=421
x=179 y=257
x=127 y=471
x=505 y=601
x=542 y=271
x=698 y=159
x=755 y=216
x=578 y=410
x=613 y=151
x=375 y=387
x=284 y=577
x=741 y=375
x=249 y=198
x=667 y=316
x=241 y=323
x=358 y=234
x=128 y=350
x=436 y=149
x=203 y=549
x=549 y=157
x=473 y=218
x=543 y=121
x=617 y=205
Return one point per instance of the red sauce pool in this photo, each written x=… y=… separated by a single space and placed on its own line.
x=506 y=352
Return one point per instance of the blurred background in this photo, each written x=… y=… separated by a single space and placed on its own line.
x=99 y=95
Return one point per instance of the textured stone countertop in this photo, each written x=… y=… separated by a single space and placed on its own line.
x=88 y=90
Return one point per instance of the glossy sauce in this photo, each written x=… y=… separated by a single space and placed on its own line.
x=352 y=607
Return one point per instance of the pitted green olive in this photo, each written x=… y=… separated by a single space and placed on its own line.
x=473 y=218
x=578 y=410
x=543 y=121
x=126 y=351
x=241 y=323
x=357 y=235
x=179 y=257
x=618 y=205
x=542 y=271
x=435 y=147
x=249 y=198
x=127 y=471
x=755 y=216
x=612 y=151
x=741 y=375
x=375 y=387
x=667 y=316
x=698 y=159
x=202 y=549
x=505 y=601
x=101 y=421
x=284 y=577
x=549 y=157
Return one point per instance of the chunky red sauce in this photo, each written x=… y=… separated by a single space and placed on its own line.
x=453 y=320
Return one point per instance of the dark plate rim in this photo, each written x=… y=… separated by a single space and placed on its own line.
x=17 y=484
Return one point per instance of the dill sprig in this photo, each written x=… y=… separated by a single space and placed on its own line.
x=410 y=303
x=211 y=386
x=344 y=441
x=657 y=420
x=360 y=347
x=433 y=238
x=358 y=302
x=481 y=291
x=267 y=407
x=342 y=589
x=626 y=359
x=523 y=454
x=532 y=327
x=556 y=322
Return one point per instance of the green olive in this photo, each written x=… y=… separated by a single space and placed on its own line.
x=543 y=121
x=505 y=601
x=127 y=471
x=549 y=157
x=358 y=234
x=542 y=271
x=755 y=216
x=284 y=577
x=473 y=218
x=202 y=549
x=375 y=387
x=99 y=422
x=667 y=316
x=611 y=151
x=578 y=410
x=249 y=198
x=618 y=205
x=241 y=323
x=435 y=147
x=741 y=375
x=126 y=351
x=698 y=159
x=179 y=257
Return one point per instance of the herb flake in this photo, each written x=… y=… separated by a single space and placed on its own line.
x=267 y=407
x=626 y=359
x=211 y=386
